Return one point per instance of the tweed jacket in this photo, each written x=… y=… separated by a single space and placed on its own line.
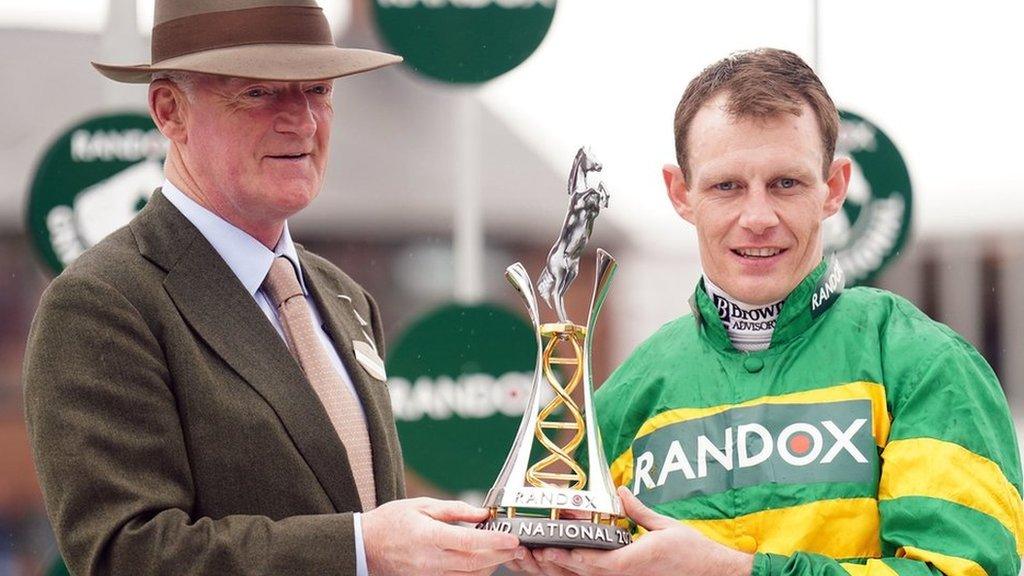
x=172 y=430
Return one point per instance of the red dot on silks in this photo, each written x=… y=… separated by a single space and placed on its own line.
x=799 y=444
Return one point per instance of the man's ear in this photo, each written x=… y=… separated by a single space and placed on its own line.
x=678 y=193
x=168 y=107
x=838 y=182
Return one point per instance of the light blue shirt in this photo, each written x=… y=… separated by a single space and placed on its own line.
x=250 y=261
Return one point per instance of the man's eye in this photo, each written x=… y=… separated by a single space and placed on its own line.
x=321 y=89
x=787 y=183
x=256 y=92
x=725 y=186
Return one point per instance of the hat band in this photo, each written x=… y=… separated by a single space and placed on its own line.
x=266 y=25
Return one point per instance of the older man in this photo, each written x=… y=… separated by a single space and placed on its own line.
x=788 y=426
x=203 y=395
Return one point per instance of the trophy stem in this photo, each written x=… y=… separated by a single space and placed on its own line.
x=539 y=475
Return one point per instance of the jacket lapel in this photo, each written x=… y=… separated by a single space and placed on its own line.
x=223 y=314
x=343 y=326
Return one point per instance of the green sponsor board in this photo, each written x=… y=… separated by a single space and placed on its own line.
x=763 y=444
x=464 y=41
x=460 y=378
x=91 y=181
x=874 y=223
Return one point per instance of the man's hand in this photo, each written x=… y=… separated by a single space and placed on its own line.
x=670 y=548
x=416 y=537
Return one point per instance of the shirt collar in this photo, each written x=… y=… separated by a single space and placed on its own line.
x=247 y=257
x=811 y=298
x=749 y=326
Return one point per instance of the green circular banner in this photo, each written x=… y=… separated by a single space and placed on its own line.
x=460 y=378
x=91 y=181
x=464 y=41
x=874 y=223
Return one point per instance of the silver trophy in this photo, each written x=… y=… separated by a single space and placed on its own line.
x=543 y=495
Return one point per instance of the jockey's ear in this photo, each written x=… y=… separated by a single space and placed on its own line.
x=678 y=193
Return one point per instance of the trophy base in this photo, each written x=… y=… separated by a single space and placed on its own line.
x=548 y=533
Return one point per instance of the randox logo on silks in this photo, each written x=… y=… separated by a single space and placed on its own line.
x=873 y=226
x=828 y=289
x=91 y=181
x=751 y=445
x=464 y=41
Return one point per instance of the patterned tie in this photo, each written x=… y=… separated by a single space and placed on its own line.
x=282 y=286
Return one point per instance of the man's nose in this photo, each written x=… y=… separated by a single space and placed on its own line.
x=758 y=214
x=296 y=115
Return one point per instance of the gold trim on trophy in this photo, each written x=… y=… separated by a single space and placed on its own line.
x=536 y=475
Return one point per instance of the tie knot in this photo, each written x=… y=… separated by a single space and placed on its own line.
x=281 y=283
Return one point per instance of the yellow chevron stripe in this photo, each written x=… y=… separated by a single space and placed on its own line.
x=948 y=471
x=851 y=391
x=622 y=467
x=948 y=565
x=872 y=568
x=798 y=528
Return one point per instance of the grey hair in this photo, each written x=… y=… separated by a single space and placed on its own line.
x=184 y=80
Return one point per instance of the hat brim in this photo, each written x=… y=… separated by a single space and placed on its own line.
x=271 y=62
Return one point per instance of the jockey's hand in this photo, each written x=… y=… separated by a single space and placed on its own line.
x=668 y=549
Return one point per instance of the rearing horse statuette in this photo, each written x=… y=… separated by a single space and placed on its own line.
x=585 y=203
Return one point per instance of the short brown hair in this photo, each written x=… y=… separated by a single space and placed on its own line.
x=760 y=84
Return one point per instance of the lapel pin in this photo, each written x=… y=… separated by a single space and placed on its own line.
x=368 y=358
x=353 y=308
x=366 y=351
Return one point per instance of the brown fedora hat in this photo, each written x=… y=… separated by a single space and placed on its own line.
x=283 y=40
